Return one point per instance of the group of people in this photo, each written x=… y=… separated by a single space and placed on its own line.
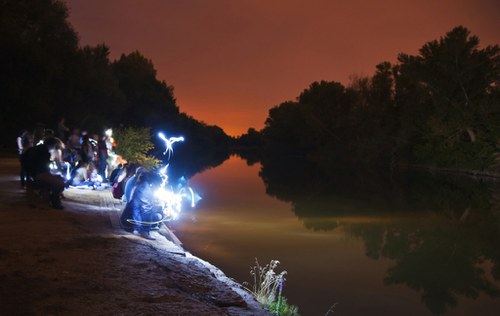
x=50 y=164
x=51 y=161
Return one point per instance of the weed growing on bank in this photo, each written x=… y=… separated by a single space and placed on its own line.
x=267 y=288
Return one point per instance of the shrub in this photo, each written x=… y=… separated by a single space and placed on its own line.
x=134 y=144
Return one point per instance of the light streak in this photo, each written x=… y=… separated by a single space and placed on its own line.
x=192 y=197
x=170 y=200
x=68 y=172
x=169 y=142
x=134 y=222
x=173 y=201
x=163 y=173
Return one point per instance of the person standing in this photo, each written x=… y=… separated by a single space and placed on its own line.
x=62 y=129
x=87 y=150
x=24 y=142
x=74 y=146
x=102 y=156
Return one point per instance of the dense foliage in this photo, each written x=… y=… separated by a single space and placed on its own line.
x=39 y=54
x=440 y=107
x=134 y=145
x=47 y=76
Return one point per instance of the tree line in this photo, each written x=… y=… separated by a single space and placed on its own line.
x=440 y=107
x=46 y=75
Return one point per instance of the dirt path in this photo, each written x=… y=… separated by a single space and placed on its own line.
x=77 y=261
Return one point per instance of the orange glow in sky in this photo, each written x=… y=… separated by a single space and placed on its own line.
x=230 y=61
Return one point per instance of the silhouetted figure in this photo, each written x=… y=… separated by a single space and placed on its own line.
x=102 y=156
x=36 y=161
x=62 y=129
x=87 y=150
x=119 y=187
x=24 y=142
x=115 y=173
x=74 y=146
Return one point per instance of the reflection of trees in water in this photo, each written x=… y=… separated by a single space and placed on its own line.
x=440 y=256
x=442 y=232
x=187 y=162
x=250 y=155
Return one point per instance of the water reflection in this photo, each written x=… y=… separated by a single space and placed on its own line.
x=186 y=162
x=441 y=232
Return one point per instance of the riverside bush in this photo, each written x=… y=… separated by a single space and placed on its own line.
x=133 y=144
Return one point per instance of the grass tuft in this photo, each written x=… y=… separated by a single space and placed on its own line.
x=266 y=283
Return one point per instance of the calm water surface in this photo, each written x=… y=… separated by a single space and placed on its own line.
x=369 y=262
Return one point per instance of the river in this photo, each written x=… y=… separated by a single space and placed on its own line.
x=402 y=252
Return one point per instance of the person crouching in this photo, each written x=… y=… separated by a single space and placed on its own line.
x=142 y=213
x=36 y=161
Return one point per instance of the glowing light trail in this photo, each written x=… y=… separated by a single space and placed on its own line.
x=171 y=200
x=169 y=142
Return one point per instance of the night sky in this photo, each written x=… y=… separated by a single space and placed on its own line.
x=230 y=61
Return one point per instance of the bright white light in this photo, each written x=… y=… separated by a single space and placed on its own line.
x=108 y=132
x=192 y=197
x=163 y=171
x=169 y=142
x=168 y=198
x=171 y=202
x=68 y=173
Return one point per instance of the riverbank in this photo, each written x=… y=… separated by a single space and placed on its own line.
x=78 y=261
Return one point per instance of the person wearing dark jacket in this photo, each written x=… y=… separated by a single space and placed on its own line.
x=141 y=213
x=36 y=161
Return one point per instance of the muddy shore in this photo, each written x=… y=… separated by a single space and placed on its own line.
x=78 y=261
